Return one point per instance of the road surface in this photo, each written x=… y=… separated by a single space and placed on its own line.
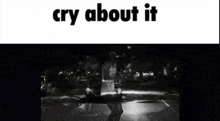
x=140 y=106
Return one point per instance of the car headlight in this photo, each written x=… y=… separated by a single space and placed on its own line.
x=60 y=73
x=42 y=87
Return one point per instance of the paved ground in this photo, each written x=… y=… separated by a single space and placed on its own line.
x=154 y=106
x=152 y=85
x=141 y=102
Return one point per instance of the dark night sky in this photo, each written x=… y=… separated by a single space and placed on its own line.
x=43 y=56
x=73 y=53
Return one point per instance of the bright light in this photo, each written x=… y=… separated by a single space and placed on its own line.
x=129 y=47
x=119 y=90
x=152 y=73
x=60 y=73
x=148 y=74
x=175 y=69
x=42 y=86
x=137 y=92
x=88 y=90
x=165 y=103
x=145 y=74
x=137 y=74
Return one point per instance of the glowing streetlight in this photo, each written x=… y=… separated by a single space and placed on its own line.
x=128 y=47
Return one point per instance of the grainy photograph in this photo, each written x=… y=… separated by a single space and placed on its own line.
x=109 y=60
x=109 y=82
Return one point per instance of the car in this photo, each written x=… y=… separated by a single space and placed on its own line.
x=148 y=76
x=58 y=80
x=139 y=73
x=131 y=75
x=138 y=76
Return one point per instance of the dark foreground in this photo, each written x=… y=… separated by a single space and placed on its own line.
x=139 y=106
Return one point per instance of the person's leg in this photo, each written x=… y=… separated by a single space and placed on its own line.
x=99 y=90
x=98 y=85
x=111 y=116
x=116 y=111
x=118 y=106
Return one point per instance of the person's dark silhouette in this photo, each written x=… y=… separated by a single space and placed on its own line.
x=116 y=106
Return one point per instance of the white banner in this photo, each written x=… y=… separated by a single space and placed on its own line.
x=176 y=21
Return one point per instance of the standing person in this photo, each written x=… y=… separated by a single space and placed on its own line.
x=133 y=67
x=93 y=74
x=108 y=72
x=172 y=74
x=118 y=65
x=94 y=81
x=164 y=75
x=109 y=67
x=93 y=92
